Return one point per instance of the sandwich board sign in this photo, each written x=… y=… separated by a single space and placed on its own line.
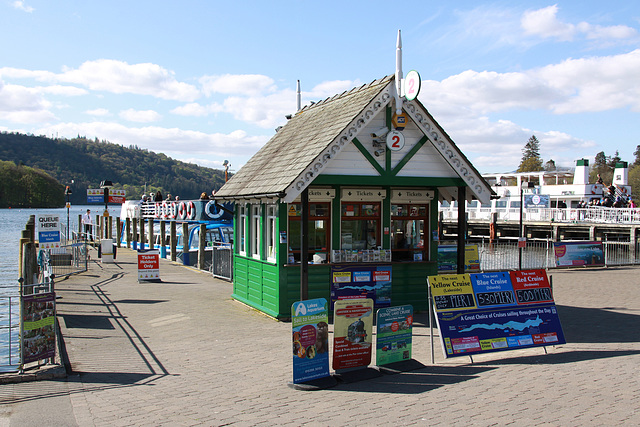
x=149 y=265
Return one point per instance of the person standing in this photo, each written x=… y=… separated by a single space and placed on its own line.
x=88 y=224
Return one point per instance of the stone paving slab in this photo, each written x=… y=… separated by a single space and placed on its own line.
x=182 y=352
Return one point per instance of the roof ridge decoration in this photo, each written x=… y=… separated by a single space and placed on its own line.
x=344 y=138
x=449 y=151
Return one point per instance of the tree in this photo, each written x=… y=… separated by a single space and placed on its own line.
x=636 y=153
x=602 y=166
x=531 y=160
x=550 y=165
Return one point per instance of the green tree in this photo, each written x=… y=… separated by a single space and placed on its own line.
x=531 y=160
x=602 y=166
x=550 y=165
x=637 y=154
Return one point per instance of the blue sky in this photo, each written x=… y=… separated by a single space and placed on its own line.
x=208 y=81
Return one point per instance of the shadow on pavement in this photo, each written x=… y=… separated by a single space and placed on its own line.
x=561 y=357
x=598 y=325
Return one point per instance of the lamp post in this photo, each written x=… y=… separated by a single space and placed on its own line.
x=226 y=165
x=105 y=185
x=67 y=193
x=521 y=240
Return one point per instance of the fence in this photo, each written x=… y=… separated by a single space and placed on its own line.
x=222 y=265
x=540 y=254
x=9 y=333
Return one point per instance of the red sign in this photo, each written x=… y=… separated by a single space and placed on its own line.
x=352 y=337
x=149 y=265
x=531 y=286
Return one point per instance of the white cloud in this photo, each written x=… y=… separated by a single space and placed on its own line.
x=140 y=116
x=20 y=104
x=237 y=84
x=119 y=77
x=98 y=112
x=19 y=4
x=544 y=23
x=62 y=90
x=196 y=110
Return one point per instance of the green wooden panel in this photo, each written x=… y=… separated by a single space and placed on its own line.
x=240 y=277
x=409 y=284
x=255 y=283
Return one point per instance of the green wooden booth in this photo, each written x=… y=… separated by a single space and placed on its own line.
x=366 y=168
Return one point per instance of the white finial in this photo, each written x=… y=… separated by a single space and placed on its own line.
x=398 y=74
x=299 y=100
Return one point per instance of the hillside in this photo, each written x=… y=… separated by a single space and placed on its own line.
x=88 y=162
x=25 y=187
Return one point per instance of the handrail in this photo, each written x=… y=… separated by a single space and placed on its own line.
x=595 y=214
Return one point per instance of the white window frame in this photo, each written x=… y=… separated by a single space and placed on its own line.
x=271 y=230
x=242 y=230
x=256 y=216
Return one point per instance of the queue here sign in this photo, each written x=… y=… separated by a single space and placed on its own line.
x=149 y=265
x=49 y=231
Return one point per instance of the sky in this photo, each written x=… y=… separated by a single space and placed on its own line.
x=209 y=81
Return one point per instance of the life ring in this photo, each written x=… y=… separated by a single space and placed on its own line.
x=191 y=210
x=172 y=210
x=182 y=208
x=164 y=210
x=492 y=231
x=156 y=210
x=212 y=210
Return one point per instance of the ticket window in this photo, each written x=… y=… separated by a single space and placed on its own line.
x=408 y=232
x=319 y=230
x=360 y=225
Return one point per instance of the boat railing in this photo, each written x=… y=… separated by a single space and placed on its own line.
x=595 y=214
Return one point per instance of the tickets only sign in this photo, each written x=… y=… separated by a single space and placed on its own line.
x=149 y=265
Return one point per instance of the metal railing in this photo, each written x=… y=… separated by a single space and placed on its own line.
x=540 y=255
x=595 y=214
x=222 y=263
x=9 y=333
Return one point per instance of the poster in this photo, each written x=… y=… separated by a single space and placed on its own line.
x=394 y=334
x=310 y=336
x=532 y=201
x=448 y=258
x=48 y=231
x=38 y=327
x=96 y=195
x=487 y=312
x=570 y=254
x=149 y=265
x=352 y=334
x=361 y=281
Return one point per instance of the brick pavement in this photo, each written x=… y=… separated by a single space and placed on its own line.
x=183 y=353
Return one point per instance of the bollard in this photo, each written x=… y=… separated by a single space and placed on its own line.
x=185 y=243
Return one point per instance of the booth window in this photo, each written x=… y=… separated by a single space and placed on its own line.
x=271 y=232
x=255 y=231
x=407 y=232
x=360 y=225
x=242 y=229
x=319 y=229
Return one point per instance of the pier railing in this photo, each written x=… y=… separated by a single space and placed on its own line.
x=9 y=333
x=540 y=255
x=595 y=214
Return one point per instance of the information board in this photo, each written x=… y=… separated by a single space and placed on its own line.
x=448 y=258
x=510 y=310
x=361 y=281
x=49 y=231
x=149 y=265
x=38 y=327
x=353 y=326
x=394 y=334
x=96 y=195
x=310 y=335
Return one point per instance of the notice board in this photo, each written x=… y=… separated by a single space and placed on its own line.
x=486 y=312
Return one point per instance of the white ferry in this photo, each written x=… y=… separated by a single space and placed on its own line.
x=560 y=195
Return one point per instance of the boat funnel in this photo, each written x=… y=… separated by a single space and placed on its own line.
x=581 y=174
x=621 y=174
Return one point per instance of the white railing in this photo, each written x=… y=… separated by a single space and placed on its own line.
x=596 y=214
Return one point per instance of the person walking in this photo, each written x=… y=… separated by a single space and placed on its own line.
x=88 y=224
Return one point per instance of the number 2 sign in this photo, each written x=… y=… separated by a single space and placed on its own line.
x=395 y=140
x=412 y=85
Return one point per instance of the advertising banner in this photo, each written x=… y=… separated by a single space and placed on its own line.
x=394 y=334
x=571 y=254
x=487 y=312
x=361 y=281
x=352 y=330
x=49 y=231
x=310 y=332
x=532 y=201
x=149 y=265
x=448 y=258
x=38 y=327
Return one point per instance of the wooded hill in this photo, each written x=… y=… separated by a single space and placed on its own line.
x=88 y=162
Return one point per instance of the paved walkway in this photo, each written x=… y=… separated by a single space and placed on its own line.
x=183 y=353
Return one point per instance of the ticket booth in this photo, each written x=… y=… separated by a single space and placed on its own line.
x=368 y=188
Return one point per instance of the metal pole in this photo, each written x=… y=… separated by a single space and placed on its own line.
x=304 y=245
x=520 y=230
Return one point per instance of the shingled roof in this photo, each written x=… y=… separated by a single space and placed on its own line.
x=297 y=153
x=297 y=144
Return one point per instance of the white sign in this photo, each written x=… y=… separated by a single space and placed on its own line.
x=411 y=195
x=49 y=231
x=412 y=85
x=395 y=140
x=363 y=194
